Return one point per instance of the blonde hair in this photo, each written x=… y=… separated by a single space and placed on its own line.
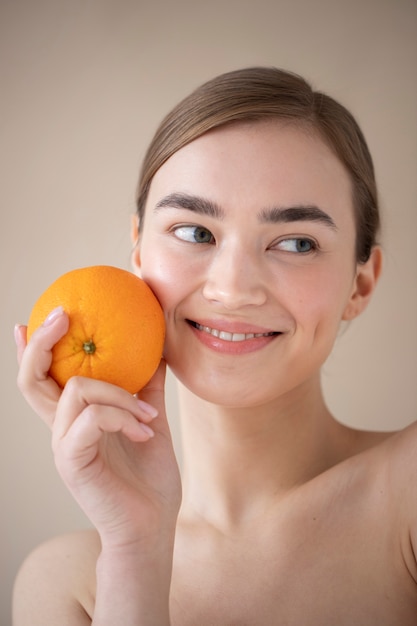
x=262 y=92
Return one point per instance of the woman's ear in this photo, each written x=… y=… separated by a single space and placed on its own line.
x=134 y=236
x=364 y=284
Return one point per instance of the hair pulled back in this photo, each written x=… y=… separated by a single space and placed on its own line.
x=265 y=92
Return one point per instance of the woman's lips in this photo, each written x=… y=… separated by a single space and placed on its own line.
x=231 y=337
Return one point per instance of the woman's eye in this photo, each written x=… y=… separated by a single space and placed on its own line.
x=296 y=244
x=194 y=234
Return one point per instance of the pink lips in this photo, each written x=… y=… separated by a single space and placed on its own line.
x=231 y=337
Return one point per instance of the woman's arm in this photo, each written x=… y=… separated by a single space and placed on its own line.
x=56 y=582
x=70 y=581
x=133 y=586
x=126 y=481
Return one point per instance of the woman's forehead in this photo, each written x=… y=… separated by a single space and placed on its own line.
x=256 y=158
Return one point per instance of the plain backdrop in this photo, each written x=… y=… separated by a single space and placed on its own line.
x=83 y=86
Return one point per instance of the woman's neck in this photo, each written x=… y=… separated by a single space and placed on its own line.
x=238 y=462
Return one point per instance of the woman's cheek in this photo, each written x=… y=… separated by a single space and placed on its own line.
x=165 y=279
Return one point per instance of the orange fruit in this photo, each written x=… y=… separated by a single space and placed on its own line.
x=116 y=327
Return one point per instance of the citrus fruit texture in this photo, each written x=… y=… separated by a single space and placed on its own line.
x=116 y=327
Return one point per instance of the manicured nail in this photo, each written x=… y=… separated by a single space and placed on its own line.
x=53 y=315
x=147 y=408
x=147 y=430
x=16 y=331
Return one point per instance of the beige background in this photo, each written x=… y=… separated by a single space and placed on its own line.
x=83 y=85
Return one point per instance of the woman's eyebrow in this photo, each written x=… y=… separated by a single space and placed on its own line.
x=191 y=203
x=274 y=215
x=306 y=213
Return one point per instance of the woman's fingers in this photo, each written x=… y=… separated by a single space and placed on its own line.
x=52 y=403
x=77 y=447
x=154 y=393
x=80 y=393
x=35 y=359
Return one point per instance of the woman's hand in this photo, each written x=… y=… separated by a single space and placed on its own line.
x=123 y=475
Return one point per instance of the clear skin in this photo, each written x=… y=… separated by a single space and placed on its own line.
x=285 y=516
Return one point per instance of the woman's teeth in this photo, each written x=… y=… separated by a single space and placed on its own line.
x=226 y=336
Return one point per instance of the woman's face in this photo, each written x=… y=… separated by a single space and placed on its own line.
x=248 y=241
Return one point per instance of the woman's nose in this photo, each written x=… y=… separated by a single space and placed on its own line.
x=234 y=280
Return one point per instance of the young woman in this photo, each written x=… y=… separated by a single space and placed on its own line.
x=257 y=229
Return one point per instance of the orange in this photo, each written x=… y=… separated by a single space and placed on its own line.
x=116 y=331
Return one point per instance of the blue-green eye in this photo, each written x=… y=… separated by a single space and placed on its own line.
x=297 y=244
x=194 y=234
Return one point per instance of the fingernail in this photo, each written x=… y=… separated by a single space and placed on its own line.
x=16 y=331
x=147 y=430
x=147 y=408
x=53 y=315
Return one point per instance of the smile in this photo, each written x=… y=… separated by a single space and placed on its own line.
x=226 y=336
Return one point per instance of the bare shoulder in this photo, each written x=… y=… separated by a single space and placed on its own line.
x=401 y=452
x=392 y=454
x=399 y=460
x=56 y=582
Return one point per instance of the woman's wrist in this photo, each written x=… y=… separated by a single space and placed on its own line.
x=133 y=584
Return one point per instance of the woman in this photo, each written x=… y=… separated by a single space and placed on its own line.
x=257 y=229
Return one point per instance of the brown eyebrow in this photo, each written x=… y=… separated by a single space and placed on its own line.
x=191 y=203
x=299 y=213
x=273 y=215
